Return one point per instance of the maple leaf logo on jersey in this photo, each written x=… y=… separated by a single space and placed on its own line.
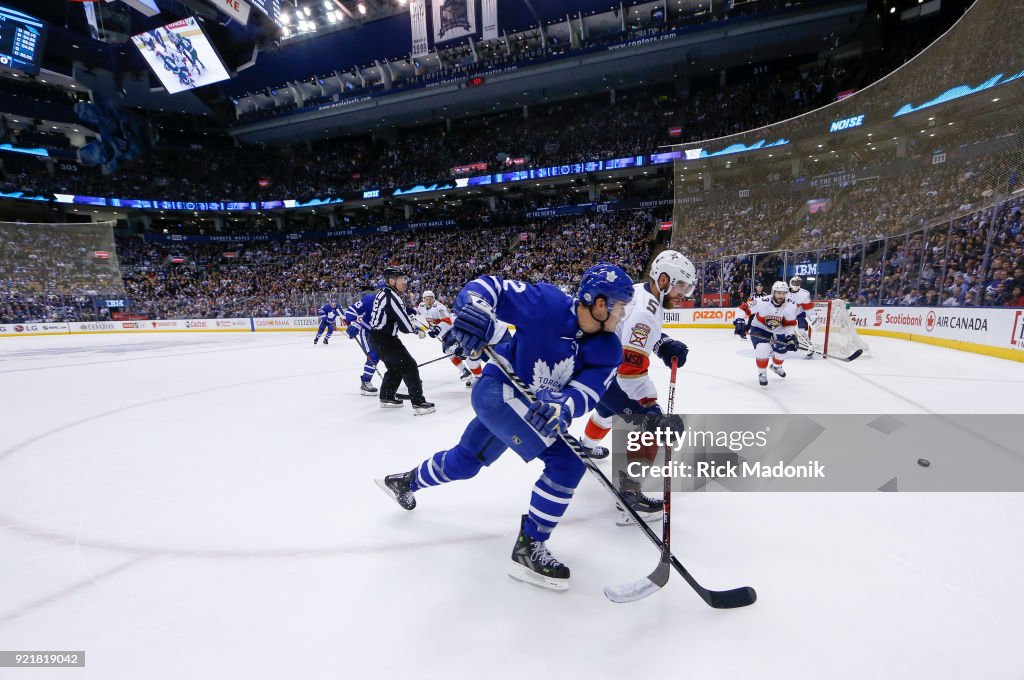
x=638 y=336
x=546 y=377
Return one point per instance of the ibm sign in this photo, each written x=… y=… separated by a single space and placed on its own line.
x=847 y=123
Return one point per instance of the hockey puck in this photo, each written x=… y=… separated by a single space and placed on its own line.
x=923 y=462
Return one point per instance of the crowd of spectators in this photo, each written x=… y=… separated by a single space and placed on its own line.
x=637 y=121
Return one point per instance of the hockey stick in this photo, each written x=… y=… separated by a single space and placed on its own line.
x=446 y=356
x=719 y=599
x=852 y=357
x=638 y=590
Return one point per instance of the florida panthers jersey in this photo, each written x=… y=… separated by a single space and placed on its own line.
x=548 y=350
x=639 y=331
x=436 y=315
x=766 y=315
x=802 y=300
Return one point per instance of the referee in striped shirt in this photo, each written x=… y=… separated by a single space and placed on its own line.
x=391 y=316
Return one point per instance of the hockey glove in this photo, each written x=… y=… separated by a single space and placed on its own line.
x=801 y=320
x=474 y=325
x=740 y=328
x=351 y=331
x=434 y=331
x=781 y=343
x=667 y=349
x=794 y=343
x=549 y=414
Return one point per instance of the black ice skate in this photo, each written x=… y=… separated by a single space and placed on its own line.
x=397 y=486
x=325 y=340
x=597 y=452
x=390 y=402
x=533 y=564
x=466 y=374
x=762 y=378
x=316 y=339
x=648 y=508
x=422 y=408
x=367 y=389
x=779 y=371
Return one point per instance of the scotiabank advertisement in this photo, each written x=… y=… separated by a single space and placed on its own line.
x=994 y=327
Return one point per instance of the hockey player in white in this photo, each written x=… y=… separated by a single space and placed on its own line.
x=772 y=325
x=801 y=297
x=672 y=279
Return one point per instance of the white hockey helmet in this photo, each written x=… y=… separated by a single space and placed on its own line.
x=679 y=269
x=795 y=283
x=428 y=294
x=779 y=287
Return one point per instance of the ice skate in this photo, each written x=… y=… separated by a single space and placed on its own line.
x=532 y=563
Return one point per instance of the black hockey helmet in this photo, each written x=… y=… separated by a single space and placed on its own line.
x=393 y=272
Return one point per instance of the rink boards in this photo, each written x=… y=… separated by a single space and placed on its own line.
x=995 y=332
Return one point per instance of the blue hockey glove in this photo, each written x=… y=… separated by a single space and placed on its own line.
x=434 y=331
x=549 y=414
x=740 y=327
x=351 y=331
x=801 y=320
x=794 y=343
x=474 y=325
x=781 y=343
x=667 y=348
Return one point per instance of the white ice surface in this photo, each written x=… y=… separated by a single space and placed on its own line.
x=202 y=506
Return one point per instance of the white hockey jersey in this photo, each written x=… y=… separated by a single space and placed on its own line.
x=802 y=300
x=436 y=315
x=639 y=331
x=767 y=316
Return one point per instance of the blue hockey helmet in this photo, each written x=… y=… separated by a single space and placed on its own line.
x=605 y=280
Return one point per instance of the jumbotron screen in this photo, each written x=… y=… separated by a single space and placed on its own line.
x=21 y=40
x=181 y=56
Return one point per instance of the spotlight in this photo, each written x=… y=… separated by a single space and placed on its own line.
x=362 y=8
x=307 y=11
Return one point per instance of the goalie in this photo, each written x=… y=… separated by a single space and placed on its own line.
x=771 y=323
x=801 y=297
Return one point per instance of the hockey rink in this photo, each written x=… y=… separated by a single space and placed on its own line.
x=203 y=506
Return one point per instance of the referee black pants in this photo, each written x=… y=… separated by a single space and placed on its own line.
x=400 y=367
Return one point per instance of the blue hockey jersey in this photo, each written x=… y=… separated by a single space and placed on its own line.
x=328 y=313
x=548 y=350
x=358 y=313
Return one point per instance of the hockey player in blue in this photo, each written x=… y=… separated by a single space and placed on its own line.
x=567 y=351
x=357 y=316
x=328 y=314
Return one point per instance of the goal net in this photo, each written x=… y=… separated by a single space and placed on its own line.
x=833 y=331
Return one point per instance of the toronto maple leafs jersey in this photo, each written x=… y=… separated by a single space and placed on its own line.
x=548 y=350
x=638 y=332
x=329 y=313
x=358 y=312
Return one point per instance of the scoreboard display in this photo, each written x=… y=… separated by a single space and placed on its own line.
x=272 y=8
x=21 y=40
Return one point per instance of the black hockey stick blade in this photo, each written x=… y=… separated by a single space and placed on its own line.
x=849 y=358
x=638 y=590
